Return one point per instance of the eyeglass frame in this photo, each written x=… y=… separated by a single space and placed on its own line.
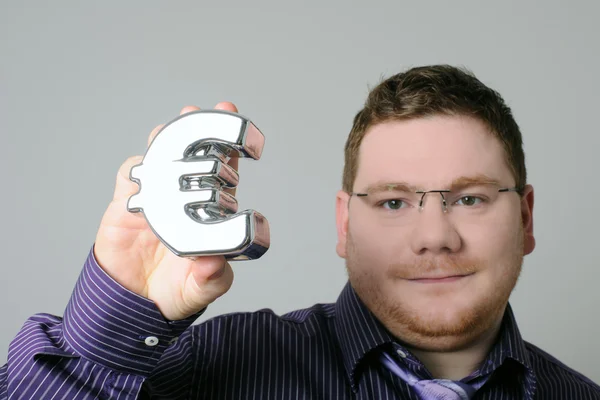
x=515 y=189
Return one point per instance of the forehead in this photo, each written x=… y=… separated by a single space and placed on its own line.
x=430 y=151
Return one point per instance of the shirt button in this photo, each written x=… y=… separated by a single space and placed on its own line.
x=151 y=341
x=173 y=341
x=401 y=353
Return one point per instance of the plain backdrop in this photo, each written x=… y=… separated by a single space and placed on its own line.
x=83 y=83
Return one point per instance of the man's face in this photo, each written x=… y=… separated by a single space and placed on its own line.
x=390 y=250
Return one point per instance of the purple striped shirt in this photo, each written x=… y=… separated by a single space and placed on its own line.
x=114 y=344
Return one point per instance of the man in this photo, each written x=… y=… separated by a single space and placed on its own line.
x=434 y=220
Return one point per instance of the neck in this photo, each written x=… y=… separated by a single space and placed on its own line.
x=456 y=365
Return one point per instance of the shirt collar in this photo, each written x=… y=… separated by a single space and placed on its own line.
x=510 y=344
x=360 y=332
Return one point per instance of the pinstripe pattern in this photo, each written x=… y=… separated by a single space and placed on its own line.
x=329 y=351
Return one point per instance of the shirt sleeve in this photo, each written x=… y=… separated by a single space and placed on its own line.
x=3 y=393
x=108 y=344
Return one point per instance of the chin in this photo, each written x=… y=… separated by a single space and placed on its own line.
x=446 y=310
x=438 y=344
x=439 y=322
x=435 y=314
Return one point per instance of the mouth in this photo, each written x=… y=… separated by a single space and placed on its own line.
x=440 y=279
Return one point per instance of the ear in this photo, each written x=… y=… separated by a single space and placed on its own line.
x=527 y=217
x=341 y=217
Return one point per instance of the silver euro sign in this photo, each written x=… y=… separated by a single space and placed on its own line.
x=181 y=180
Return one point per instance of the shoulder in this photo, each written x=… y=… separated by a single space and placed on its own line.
x=307 y=321
x=553 y=376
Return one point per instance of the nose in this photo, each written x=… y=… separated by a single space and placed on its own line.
x=434 y=231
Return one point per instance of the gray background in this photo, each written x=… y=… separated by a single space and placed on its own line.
x=83 y=83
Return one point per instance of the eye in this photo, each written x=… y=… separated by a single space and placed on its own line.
x=469 y=201
x=394 y=204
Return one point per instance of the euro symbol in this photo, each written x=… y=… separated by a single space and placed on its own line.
x=181 y=180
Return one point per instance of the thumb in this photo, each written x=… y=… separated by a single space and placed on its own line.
x=210 y=277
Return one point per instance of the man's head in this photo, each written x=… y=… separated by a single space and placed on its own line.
x=435 y=128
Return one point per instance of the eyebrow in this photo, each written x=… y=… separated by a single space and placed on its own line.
x=458 y=183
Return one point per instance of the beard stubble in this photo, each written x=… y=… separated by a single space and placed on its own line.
x=411 y=325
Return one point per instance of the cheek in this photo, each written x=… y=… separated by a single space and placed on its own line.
x=495 y=244
x=374 y=244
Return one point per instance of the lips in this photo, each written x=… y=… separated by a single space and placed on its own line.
x=439 y=279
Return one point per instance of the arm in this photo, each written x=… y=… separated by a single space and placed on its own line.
x=118 y=325
x=101 y=347
x=3 y=394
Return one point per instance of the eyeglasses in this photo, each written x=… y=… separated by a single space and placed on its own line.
x=470 y=202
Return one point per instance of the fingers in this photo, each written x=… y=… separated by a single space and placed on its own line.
x=188 y=109
x=233 y=162
x=227 y=106
x=116 y=213
x=157 y=129
x=124 y=187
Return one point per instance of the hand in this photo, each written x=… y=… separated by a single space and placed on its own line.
x=129 y=251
